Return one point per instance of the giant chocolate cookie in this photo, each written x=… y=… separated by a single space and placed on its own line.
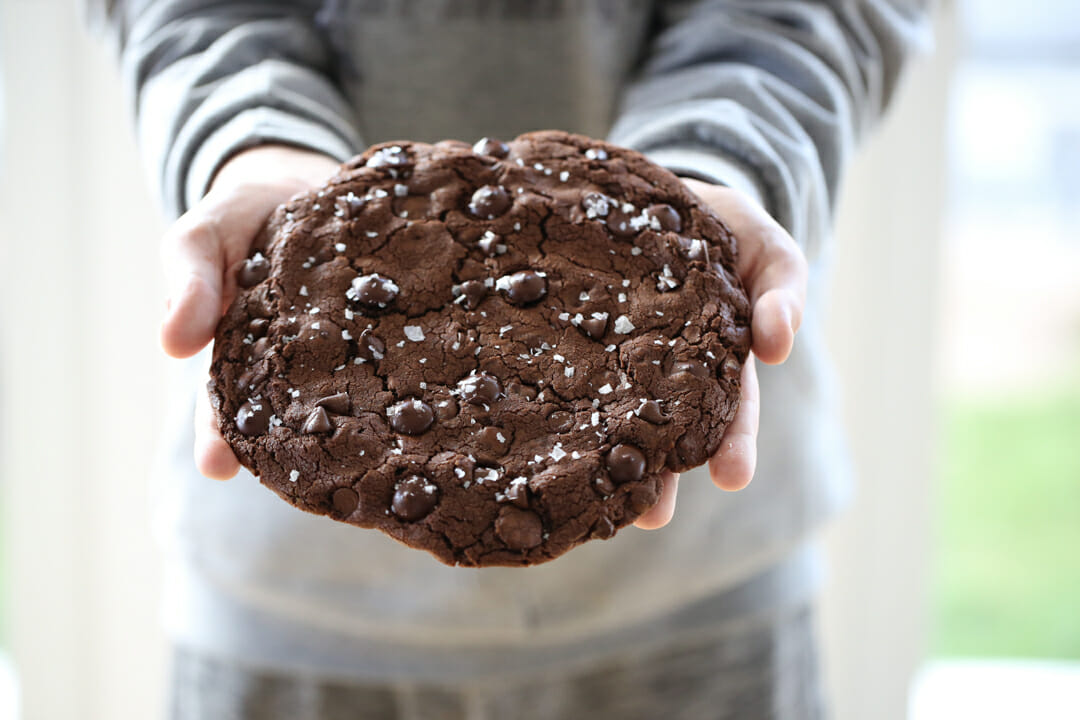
x=490 y=353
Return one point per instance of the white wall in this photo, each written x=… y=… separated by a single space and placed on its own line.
x=883 y=333
x=81 y=387
x=81 y=376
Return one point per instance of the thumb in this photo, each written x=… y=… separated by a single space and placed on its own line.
x=196 y=253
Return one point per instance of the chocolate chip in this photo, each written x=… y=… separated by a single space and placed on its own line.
x=595 y=325
x=519 y=529
x=259 y=348
x=337 y=403
x=489 y=201
x=695 y=249
x=345 y=501
x=410 y=417
x=480 y=389
x=414 y=498
x=317 y=422
x=370 y=347
x=650 y=411
x=619 y=224
x=596 y=204
x=446 y=409
x=625 y=463
x=473 y=291
x=373 y=290
x=517 y=492
x=560 y=421
x=493 y=441
x=492 y=147
x=521 y=390
x=253 y=417
x=667 y=216
x=393 y=156
x=254 y=270
x=603 y=528
x=641 y=500
x=689 y=367
x=605 y=486
x=730 y=368
x=258 y=326
x=523 y=287
x=489 y=243
x=349 y=205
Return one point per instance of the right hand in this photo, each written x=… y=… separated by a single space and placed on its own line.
x=204 y=247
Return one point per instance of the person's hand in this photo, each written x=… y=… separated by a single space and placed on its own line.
x=201 y=252
x=773 y=271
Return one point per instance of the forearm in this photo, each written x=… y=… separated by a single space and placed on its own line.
x=211 y=78
x=769 y=97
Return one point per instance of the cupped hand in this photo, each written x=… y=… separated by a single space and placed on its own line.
x=202 y=250
x=773 y=270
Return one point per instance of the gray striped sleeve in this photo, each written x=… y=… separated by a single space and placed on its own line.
x=769 y=95
x=210 y=78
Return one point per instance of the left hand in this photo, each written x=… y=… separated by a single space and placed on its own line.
x=773 y=270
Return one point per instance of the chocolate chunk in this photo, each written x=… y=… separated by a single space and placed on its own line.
x=259 y=348
x=596 y=205
x=254 y=270
x=337 y=403
x=446 y=409
x=480 y=389
x=348 y=206
x=519 y=529
x=523 y=287
x=490 y=201
x=317 y=422
x=618 y=222
x=604 y=486
x=410 y=417
x=493 y=442
x=641 y=500
x=689 y=367
x=560 y=421
x=730 y=368
x=603 y=529
x=625 y=463
x=414 y=498
x=345 y=501
x=650 y=412
x=489 y=243
x=667 y=216
x=370 y=347
x=253 y=417
x=392 y=157
x=257 y=327
x=595 y=325
x=472 y=292
x=517 y=492
x=373 y=290
x=521 y=390
x=695 y=249
x=491 y=146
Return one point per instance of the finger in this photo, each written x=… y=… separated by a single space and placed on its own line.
x=774 y=271
x=732 y=467
x=775 y=318
x=192 y=256
x=198 y=250
x=661 y=513
x=213 y=456
x=770 y=264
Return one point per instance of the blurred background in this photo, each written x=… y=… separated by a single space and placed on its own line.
x=954 y=322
